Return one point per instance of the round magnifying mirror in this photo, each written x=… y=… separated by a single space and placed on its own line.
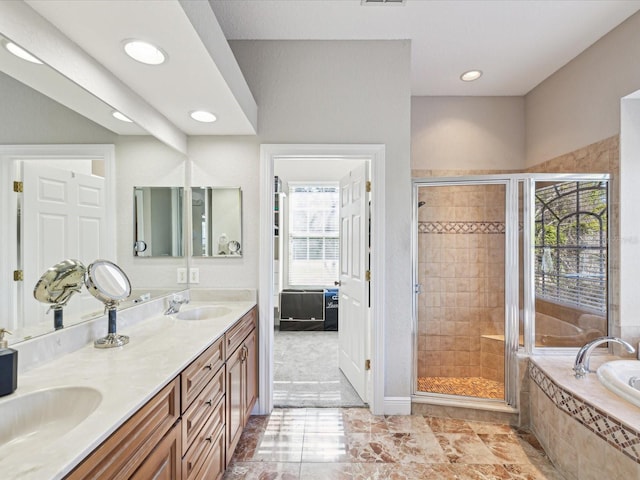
x=58 y=284
x=107 y=282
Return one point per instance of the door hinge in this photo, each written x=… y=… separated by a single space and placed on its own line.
x=367 y=364
x=18 y=187
x=18 y=275
x=367 y=275
x=368 y=186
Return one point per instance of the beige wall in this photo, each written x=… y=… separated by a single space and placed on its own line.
x=580 y=103
x=467 y=133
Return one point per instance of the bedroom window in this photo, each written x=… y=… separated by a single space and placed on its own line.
x=571 y=244
x=314 y=237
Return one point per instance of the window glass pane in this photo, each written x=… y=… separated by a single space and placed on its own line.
x=313 y=235
x=570 y=262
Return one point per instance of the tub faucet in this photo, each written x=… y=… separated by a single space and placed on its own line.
x=174 y=305
x=581 y=366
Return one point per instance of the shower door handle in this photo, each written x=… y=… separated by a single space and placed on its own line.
x=417 y=288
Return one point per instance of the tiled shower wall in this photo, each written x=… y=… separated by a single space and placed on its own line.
x=461 y=268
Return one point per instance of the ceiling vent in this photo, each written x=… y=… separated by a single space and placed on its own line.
x=383 y=2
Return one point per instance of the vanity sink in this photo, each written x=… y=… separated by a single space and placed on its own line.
x=622 y=377
x=208 y=312
x=44 y=416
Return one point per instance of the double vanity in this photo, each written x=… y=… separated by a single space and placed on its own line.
x=173 y=402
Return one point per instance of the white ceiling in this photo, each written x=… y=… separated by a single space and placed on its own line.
x=517 y=44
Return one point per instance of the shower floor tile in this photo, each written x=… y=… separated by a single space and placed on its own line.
x=464 y=386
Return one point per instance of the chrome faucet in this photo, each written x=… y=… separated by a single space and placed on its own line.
x=175 y=304
x=581 y=365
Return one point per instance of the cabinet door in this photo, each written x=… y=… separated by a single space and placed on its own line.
x=163 y=463
x=250 y=372
x=235 y=404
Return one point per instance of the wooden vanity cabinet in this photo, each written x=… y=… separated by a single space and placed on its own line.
x=241 y=378
x=189 y=430
x=138 y=441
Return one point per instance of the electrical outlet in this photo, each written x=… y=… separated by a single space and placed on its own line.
x=194 y=275
x=182 y=275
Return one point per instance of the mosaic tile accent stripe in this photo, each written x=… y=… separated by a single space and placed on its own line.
x=461 y=227
x=616 y=434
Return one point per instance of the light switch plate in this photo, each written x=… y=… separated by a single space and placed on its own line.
x=194 y=275
x=182 y=275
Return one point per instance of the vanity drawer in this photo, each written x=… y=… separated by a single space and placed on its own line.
x=124 y=451
x=200 y=410
x=205 y=443
x=196 y=376
x=236 y=335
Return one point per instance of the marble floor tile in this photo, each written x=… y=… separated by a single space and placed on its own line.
x=324 y=471
x=353 y=444
x=325 y=447
x=505 y=447
x=448 y=425
x=465 y=448
x=262 y=471
x=479 y=472
x=407 y=471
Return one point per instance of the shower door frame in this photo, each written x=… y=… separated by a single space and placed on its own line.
x=510 y=182
x=512 y=288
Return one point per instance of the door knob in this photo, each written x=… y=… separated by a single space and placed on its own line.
x=337 y=283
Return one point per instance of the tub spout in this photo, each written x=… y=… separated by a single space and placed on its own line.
x=581 y=365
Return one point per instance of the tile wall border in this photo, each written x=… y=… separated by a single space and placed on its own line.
x=461 y=227
x=620 y=436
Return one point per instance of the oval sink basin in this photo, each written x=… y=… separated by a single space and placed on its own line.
x=621 y=377
x=44 y=416
x=204 y=313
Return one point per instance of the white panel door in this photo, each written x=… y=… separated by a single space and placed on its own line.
x=353 y=307
x=66 y=221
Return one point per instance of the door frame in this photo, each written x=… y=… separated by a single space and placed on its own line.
x=375 y=154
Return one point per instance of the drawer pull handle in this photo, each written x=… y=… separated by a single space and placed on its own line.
x=209 y=439
x=209 y=366
x=209 y=402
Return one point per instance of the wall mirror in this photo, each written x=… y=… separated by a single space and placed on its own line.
x=157 y=221
x=216 y=221
x=64 y=152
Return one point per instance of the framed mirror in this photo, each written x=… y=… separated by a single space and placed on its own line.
x=157 y=219
x=216 y=222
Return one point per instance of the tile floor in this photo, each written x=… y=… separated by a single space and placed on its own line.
x=350 y=443
x=306 y=372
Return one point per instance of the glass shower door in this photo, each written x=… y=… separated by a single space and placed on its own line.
x=460 y=249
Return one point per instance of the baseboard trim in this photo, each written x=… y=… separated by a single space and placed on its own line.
x=397 y=405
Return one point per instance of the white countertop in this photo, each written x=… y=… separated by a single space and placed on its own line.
x=127 y=377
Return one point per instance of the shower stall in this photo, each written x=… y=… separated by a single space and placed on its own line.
x=502 y=264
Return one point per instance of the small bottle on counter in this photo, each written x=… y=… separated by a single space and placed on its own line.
x=8 y=366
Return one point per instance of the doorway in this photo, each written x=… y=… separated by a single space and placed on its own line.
x=374 y=154
x=317 y=322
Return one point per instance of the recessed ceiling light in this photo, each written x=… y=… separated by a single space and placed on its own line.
x=21 y=52
x=203 y=116
x=471 y=75
x=121 y=117
x=144 y=52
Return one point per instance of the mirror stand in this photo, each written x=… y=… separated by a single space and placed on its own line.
x=112 y=339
